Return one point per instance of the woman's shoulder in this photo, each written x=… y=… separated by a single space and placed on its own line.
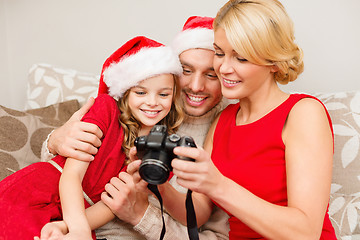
x=308 y=103
x=308 y=109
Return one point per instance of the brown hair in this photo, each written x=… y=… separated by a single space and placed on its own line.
x=131 y=125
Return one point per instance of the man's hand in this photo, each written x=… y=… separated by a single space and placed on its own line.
x=122 y=198
x=127 y=195
x=76 y=139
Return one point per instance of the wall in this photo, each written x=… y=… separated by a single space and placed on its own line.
x=82 y=34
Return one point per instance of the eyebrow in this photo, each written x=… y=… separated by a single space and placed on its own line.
x=161 y=89
x=216 y=46
x=191 y=66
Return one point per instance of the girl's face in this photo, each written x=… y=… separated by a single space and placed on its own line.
x=239 y=78
x=150 y=101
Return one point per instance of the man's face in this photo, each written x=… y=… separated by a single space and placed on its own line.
x=201 y=89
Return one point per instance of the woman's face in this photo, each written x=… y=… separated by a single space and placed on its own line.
x=150 y=101
x=239 y=78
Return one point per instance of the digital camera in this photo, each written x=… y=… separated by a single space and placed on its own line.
x=156 y=152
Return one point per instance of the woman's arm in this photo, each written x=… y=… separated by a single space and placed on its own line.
x=308 y=155
x=173 y=199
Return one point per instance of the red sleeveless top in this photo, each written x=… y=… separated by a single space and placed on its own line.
x=253 y=155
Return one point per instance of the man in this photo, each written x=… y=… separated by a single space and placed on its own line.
x=201 y=93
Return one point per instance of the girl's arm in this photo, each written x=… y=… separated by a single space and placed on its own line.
x=72 y=201
x=98 y=215
x=96 y=220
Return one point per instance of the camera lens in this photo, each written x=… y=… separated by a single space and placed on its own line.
x=154 y=171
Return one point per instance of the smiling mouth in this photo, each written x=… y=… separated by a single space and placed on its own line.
x=195 y=100
x=151 y=112
x=230 y=83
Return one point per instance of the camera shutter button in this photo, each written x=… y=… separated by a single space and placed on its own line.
x=174 y=137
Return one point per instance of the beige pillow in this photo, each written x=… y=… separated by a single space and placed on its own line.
x=344 y=208
x=22 y=133
x=49 y=85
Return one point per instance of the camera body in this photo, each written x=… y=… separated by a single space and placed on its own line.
x=156 y=152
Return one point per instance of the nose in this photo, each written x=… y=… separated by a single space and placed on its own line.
x=197 y=83
x=152 y=100
x=225 y=66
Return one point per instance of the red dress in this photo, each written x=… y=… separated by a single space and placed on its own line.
x=30 y=198
x=253 y=155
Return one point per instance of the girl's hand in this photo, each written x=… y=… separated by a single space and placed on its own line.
x=133 y=170
x=53 y=231
x=200 y=176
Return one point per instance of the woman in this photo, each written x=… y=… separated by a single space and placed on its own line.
x=271 y=154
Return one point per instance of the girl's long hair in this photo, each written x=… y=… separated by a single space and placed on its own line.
x=131 y=125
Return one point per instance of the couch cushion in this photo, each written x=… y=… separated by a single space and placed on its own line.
x=344 y=208
x=49 y=85
x=22 y=133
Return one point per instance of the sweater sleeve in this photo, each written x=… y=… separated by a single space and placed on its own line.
x=217 y=227
x=45 y=154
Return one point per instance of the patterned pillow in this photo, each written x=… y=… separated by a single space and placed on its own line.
x=49 y=85
x=22 y=133
x=344 y=208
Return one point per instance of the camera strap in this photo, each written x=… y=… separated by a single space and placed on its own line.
x=190 y=213
x=154 y=189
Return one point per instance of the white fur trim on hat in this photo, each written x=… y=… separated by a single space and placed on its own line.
x=193 y=38
x=146 y=63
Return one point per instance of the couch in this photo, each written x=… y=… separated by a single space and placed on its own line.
x=54 y=94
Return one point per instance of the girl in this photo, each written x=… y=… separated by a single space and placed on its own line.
x=141 y=75
x=271 y=152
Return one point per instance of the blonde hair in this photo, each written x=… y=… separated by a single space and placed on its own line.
x=131 y=125
x=262 y=32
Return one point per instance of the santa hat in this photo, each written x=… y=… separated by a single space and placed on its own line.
x=138 y=59
x=196 y=33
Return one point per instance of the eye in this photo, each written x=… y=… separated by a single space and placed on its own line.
x=241 y=59
x=140 y=92
x=219 y=54
x=212 y=76
x=186 y=71
x=164 y=94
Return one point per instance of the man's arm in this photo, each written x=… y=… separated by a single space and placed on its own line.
x=75 y=139
x=215 y=228
x=145 y=216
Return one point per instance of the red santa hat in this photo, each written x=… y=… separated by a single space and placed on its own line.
x=196 y=33
x=138 y=59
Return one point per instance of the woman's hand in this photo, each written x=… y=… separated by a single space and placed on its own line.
x=200 y=176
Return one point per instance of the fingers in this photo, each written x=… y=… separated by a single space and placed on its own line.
x=79 y=140
x=78 y=115
x=198 y=154
x=132 y=154
x=133 y=167
x=91 y=133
